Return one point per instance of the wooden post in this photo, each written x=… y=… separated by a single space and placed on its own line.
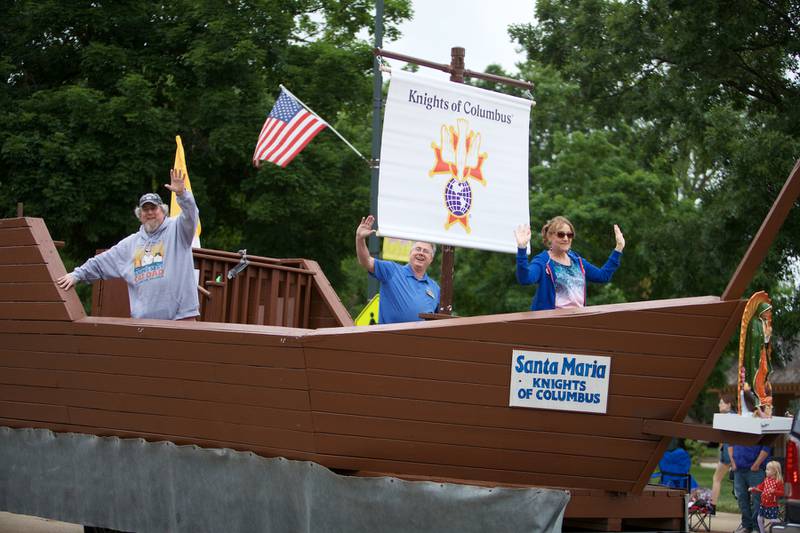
x=457 y=54
x=214 y=303
x=19 y=210
x=373 y=286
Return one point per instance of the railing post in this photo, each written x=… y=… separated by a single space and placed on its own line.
x=214 y=303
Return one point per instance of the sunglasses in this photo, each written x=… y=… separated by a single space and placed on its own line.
x=561 y=234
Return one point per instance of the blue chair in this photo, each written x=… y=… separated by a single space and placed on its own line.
x=674 y=472
x=674 y=468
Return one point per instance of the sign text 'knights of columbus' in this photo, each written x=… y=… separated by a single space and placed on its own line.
x=453 y=165
x=566 y=382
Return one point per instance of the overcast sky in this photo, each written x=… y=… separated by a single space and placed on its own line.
x=480 y=26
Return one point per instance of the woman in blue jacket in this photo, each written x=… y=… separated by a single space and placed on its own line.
x=560 y=272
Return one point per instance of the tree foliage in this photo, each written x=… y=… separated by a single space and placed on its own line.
x=676 y=119
x=93 y=94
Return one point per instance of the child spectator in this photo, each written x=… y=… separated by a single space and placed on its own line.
x=771 y=488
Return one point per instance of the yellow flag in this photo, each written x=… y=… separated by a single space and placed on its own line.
x=396 y=249
x=174 y=208
x=369 y=315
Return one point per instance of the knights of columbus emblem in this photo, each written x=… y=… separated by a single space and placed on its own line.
x=458 y=156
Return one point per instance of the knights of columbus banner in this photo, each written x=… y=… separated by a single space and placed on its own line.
x=454 y=164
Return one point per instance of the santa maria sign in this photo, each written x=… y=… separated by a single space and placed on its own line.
x=454 y=164
x=566 y=382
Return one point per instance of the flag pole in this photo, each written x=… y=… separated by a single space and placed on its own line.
x=326 y=123
x=373 y=285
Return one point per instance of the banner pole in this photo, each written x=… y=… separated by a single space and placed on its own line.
x=457 y=54
x=374 y=245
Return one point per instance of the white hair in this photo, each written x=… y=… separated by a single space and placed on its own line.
x=138 y=211
x=433 y=247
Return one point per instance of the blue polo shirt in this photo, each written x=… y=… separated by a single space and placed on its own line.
x=403 y=296
x=745 y=456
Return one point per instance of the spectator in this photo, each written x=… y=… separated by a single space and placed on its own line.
x=771 y=489
x=748 y=464
x=724 y=464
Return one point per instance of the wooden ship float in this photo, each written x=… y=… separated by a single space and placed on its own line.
x=276 y=367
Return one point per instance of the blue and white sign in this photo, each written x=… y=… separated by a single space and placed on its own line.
x=565 y=382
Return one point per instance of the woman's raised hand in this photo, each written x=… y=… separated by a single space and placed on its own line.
x=620 y=238
x=523 y=235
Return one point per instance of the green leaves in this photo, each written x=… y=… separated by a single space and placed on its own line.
x=676 y=120
x=94 y=93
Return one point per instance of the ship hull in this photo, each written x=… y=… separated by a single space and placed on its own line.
x=424 y=399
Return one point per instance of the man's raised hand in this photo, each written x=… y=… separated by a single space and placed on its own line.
x=177 y=184
x=364 y=229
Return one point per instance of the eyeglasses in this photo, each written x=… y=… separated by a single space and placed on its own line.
x=561 y=234
x=421 y=250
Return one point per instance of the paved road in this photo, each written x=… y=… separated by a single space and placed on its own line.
x=725 y=522
x=15 y=523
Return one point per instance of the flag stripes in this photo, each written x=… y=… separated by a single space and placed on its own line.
x=287 y=130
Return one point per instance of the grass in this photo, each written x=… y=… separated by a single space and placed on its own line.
x=704 y=476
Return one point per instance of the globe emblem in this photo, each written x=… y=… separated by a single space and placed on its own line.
x=458 y=197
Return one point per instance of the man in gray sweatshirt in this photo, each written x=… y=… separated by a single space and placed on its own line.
x=156 y=262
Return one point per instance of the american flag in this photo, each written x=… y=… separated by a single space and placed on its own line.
x=288 y=129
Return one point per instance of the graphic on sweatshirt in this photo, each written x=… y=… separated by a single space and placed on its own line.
x=148 y=262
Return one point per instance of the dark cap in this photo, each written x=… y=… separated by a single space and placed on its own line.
x=150 y=198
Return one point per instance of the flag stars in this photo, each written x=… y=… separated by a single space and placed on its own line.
x=287 y=130
x=285 y=108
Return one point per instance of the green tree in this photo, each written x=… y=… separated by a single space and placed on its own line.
x=94 y=93
x=701 y=100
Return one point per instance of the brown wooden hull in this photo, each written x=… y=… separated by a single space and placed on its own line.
x=422 y=399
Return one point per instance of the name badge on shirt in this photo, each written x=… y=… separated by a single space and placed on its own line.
x=429 y=293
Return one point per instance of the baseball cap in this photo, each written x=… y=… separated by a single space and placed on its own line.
x=150 y=198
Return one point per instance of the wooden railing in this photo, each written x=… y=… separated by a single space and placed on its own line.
x=271 y=292
x=267 y=292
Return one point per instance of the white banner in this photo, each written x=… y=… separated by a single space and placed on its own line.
x=454 y=164
x=567 y=382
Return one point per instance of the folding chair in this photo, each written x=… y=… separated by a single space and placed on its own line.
x=673 y=472
x=699 y=515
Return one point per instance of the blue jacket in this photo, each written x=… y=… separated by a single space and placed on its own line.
x=539 y=272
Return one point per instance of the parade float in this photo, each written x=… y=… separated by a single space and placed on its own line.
x=276 y=368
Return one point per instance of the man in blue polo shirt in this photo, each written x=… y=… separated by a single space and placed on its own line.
x=748 y=464
x=406 y=291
